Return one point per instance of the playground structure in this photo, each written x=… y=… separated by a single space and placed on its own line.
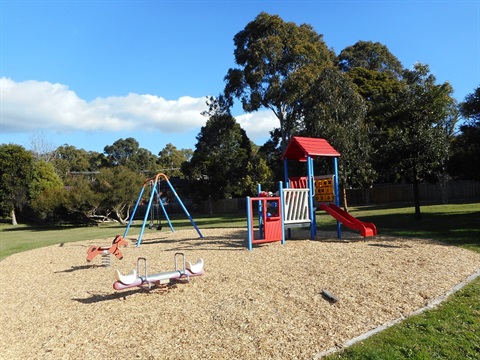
x=154 y=200
x=105 y=251
x=302 y=196
x=180 y=274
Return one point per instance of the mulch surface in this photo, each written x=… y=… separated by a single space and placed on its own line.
x=262 y=304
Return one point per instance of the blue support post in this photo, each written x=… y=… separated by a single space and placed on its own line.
x=285 y=173
x=282 y=205
x=260 y=213
x=165 y=212
x=313 y=222
x=287 y=186
x=133 y=212
x=184 y=208
x=337 y=194
x=149 y=205
x=249 y=226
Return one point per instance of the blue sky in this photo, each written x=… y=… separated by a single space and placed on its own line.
x=87 y=73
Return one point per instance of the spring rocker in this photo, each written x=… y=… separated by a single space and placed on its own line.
x=105 y=251
x=182 y=272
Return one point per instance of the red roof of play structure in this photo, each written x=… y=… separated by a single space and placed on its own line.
x=300 y=147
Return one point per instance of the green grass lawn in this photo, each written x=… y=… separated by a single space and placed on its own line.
x=14 y=239
x=456 y=224
x=451 y=331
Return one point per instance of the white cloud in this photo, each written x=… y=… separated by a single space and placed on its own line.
x=33 y=105
x=29 y=106
x=258 y=125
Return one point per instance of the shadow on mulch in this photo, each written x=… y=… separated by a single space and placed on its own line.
x=386 y=246
x=76 y=268
x=220 y=242
x=95 y=298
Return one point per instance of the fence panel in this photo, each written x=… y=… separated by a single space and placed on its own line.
x=403 y=193
x=379 y=194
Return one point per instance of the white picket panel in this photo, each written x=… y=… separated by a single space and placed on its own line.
x=296 y=206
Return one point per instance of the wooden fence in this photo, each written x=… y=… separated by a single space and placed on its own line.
x=379 y=194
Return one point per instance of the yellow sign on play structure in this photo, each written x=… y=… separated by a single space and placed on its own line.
x=324 y=189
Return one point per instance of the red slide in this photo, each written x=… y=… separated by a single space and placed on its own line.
x=365 y=228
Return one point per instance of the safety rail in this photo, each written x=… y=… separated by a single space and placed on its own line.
x=296 y=206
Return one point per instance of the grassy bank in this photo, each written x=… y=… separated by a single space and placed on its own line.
x=451 y=331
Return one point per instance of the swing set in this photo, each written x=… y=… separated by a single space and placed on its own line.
x=155 y=215
x=155 y=203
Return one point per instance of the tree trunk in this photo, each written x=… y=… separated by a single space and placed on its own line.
x=88 y=221
x=121 y=220
x=416 y=200
x=345 y=203
x=14 y=218
x=443 y=181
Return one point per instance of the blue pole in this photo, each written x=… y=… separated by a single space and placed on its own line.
x=285 y=172
x=337 y=195
x=282 y=209
x=184 y=208
x=260 y=213
x=149 y=205
x=313 y=222
x=164 y=210
x=134 y=211
x=249 y=224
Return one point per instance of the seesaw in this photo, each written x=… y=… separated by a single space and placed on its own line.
x=104 y=250
x=162 y=279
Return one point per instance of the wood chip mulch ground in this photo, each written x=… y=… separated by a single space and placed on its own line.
x=261 y=304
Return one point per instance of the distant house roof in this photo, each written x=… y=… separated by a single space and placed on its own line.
x=300 y=147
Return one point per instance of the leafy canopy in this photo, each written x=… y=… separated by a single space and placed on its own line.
x=277 y=61
x=370 y=56
x=224 y=163
x=16 y=174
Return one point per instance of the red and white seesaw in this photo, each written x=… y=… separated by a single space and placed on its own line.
x=147 y=281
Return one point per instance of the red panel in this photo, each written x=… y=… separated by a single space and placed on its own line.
x=298 y=182
x=273 y=229
x=272 y=226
